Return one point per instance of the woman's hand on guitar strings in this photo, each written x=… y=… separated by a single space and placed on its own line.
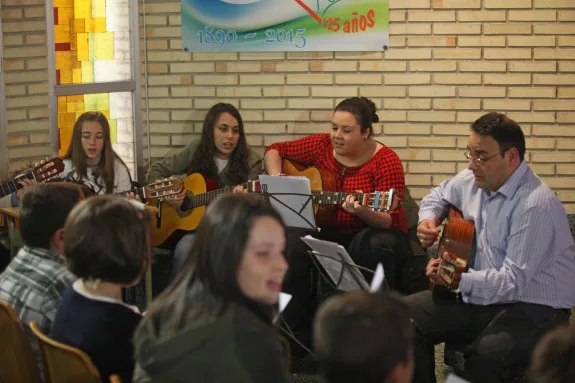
x=176 y=201
x=427 y=232
x=239 y=189
x=351 y=205
x=26 y=183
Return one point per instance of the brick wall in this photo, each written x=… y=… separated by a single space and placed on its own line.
x=26 y=81
x=449 y=62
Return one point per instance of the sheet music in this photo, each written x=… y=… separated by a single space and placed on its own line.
x=284 y=300
x=352 y=279
x=291 y=197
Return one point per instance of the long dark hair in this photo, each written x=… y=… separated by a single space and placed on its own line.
x=203 y=158
x=210 y=271
x=105 y=168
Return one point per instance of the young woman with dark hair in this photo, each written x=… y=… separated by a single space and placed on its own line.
x=221 y=154
x=356 y=161
x=214 y=323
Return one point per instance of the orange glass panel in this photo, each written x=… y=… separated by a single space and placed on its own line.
x=65 y=15
x=63 y=3
x=62 y=33
x=94 y=31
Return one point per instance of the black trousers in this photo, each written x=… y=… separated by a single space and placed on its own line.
x=367 y=248
x=500 y=337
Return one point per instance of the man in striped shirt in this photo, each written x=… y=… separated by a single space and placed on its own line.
x=521 y=277
x=35 y=280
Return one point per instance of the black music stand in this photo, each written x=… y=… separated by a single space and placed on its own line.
x=334 y=261
x=292 y=198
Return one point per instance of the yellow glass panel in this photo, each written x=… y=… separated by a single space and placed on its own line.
x=99 y=25
x=63 y=3
x=82 y=47
x=66 y=123
x=88 y=71
x=113 y=130
x=101 y=46
x=95 y=25
x=62 y=33
x=77 y=75
x=65 y=59
x=98 y=8
x=79 y=25
x=65 y=139
x=71 y=119
x=96 y=101
x=61 y=107
x=66 y=76
x=65 y=15
x=74 y=104
x=82 y=9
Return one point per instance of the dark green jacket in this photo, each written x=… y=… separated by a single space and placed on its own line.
x=176 y=163
x=236 y=347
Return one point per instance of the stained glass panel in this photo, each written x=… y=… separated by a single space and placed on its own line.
x=92 y=41
x=118 y=109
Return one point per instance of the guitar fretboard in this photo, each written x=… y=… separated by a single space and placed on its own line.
x=206 y=198
x=333 y=198
x=318 y=197
x=11 y=186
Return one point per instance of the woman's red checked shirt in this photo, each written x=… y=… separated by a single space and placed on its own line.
x=381 y=173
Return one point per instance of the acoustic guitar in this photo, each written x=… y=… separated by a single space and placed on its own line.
x=46 y=171
x=455 y=246
x=201 y=191
x=325 y=199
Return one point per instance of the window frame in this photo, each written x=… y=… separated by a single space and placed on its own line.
x=133 y=86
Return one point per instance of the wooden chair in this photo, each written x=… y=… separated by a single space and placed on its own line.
x=66 y=364
x=17 y=362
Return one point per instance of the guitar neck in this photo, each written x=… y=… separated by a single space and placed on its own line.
x=334 y=198
x=206 y=198
x=11 y=186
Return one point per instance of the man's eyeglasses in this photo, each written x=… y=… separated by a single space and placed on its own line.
x=479 y=160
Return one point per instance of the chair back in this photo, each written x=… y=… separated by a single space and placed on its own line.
x=63 y=363
x=17 y=362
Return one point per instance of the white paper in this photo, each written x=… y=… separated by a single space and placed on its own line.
x=378 y=278
x=332 y=258
x=291 y=197
x=284 y=300
x=451 y=378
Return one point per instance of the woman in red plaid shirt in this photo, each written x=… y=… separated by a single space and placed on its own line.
x=358 y=163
